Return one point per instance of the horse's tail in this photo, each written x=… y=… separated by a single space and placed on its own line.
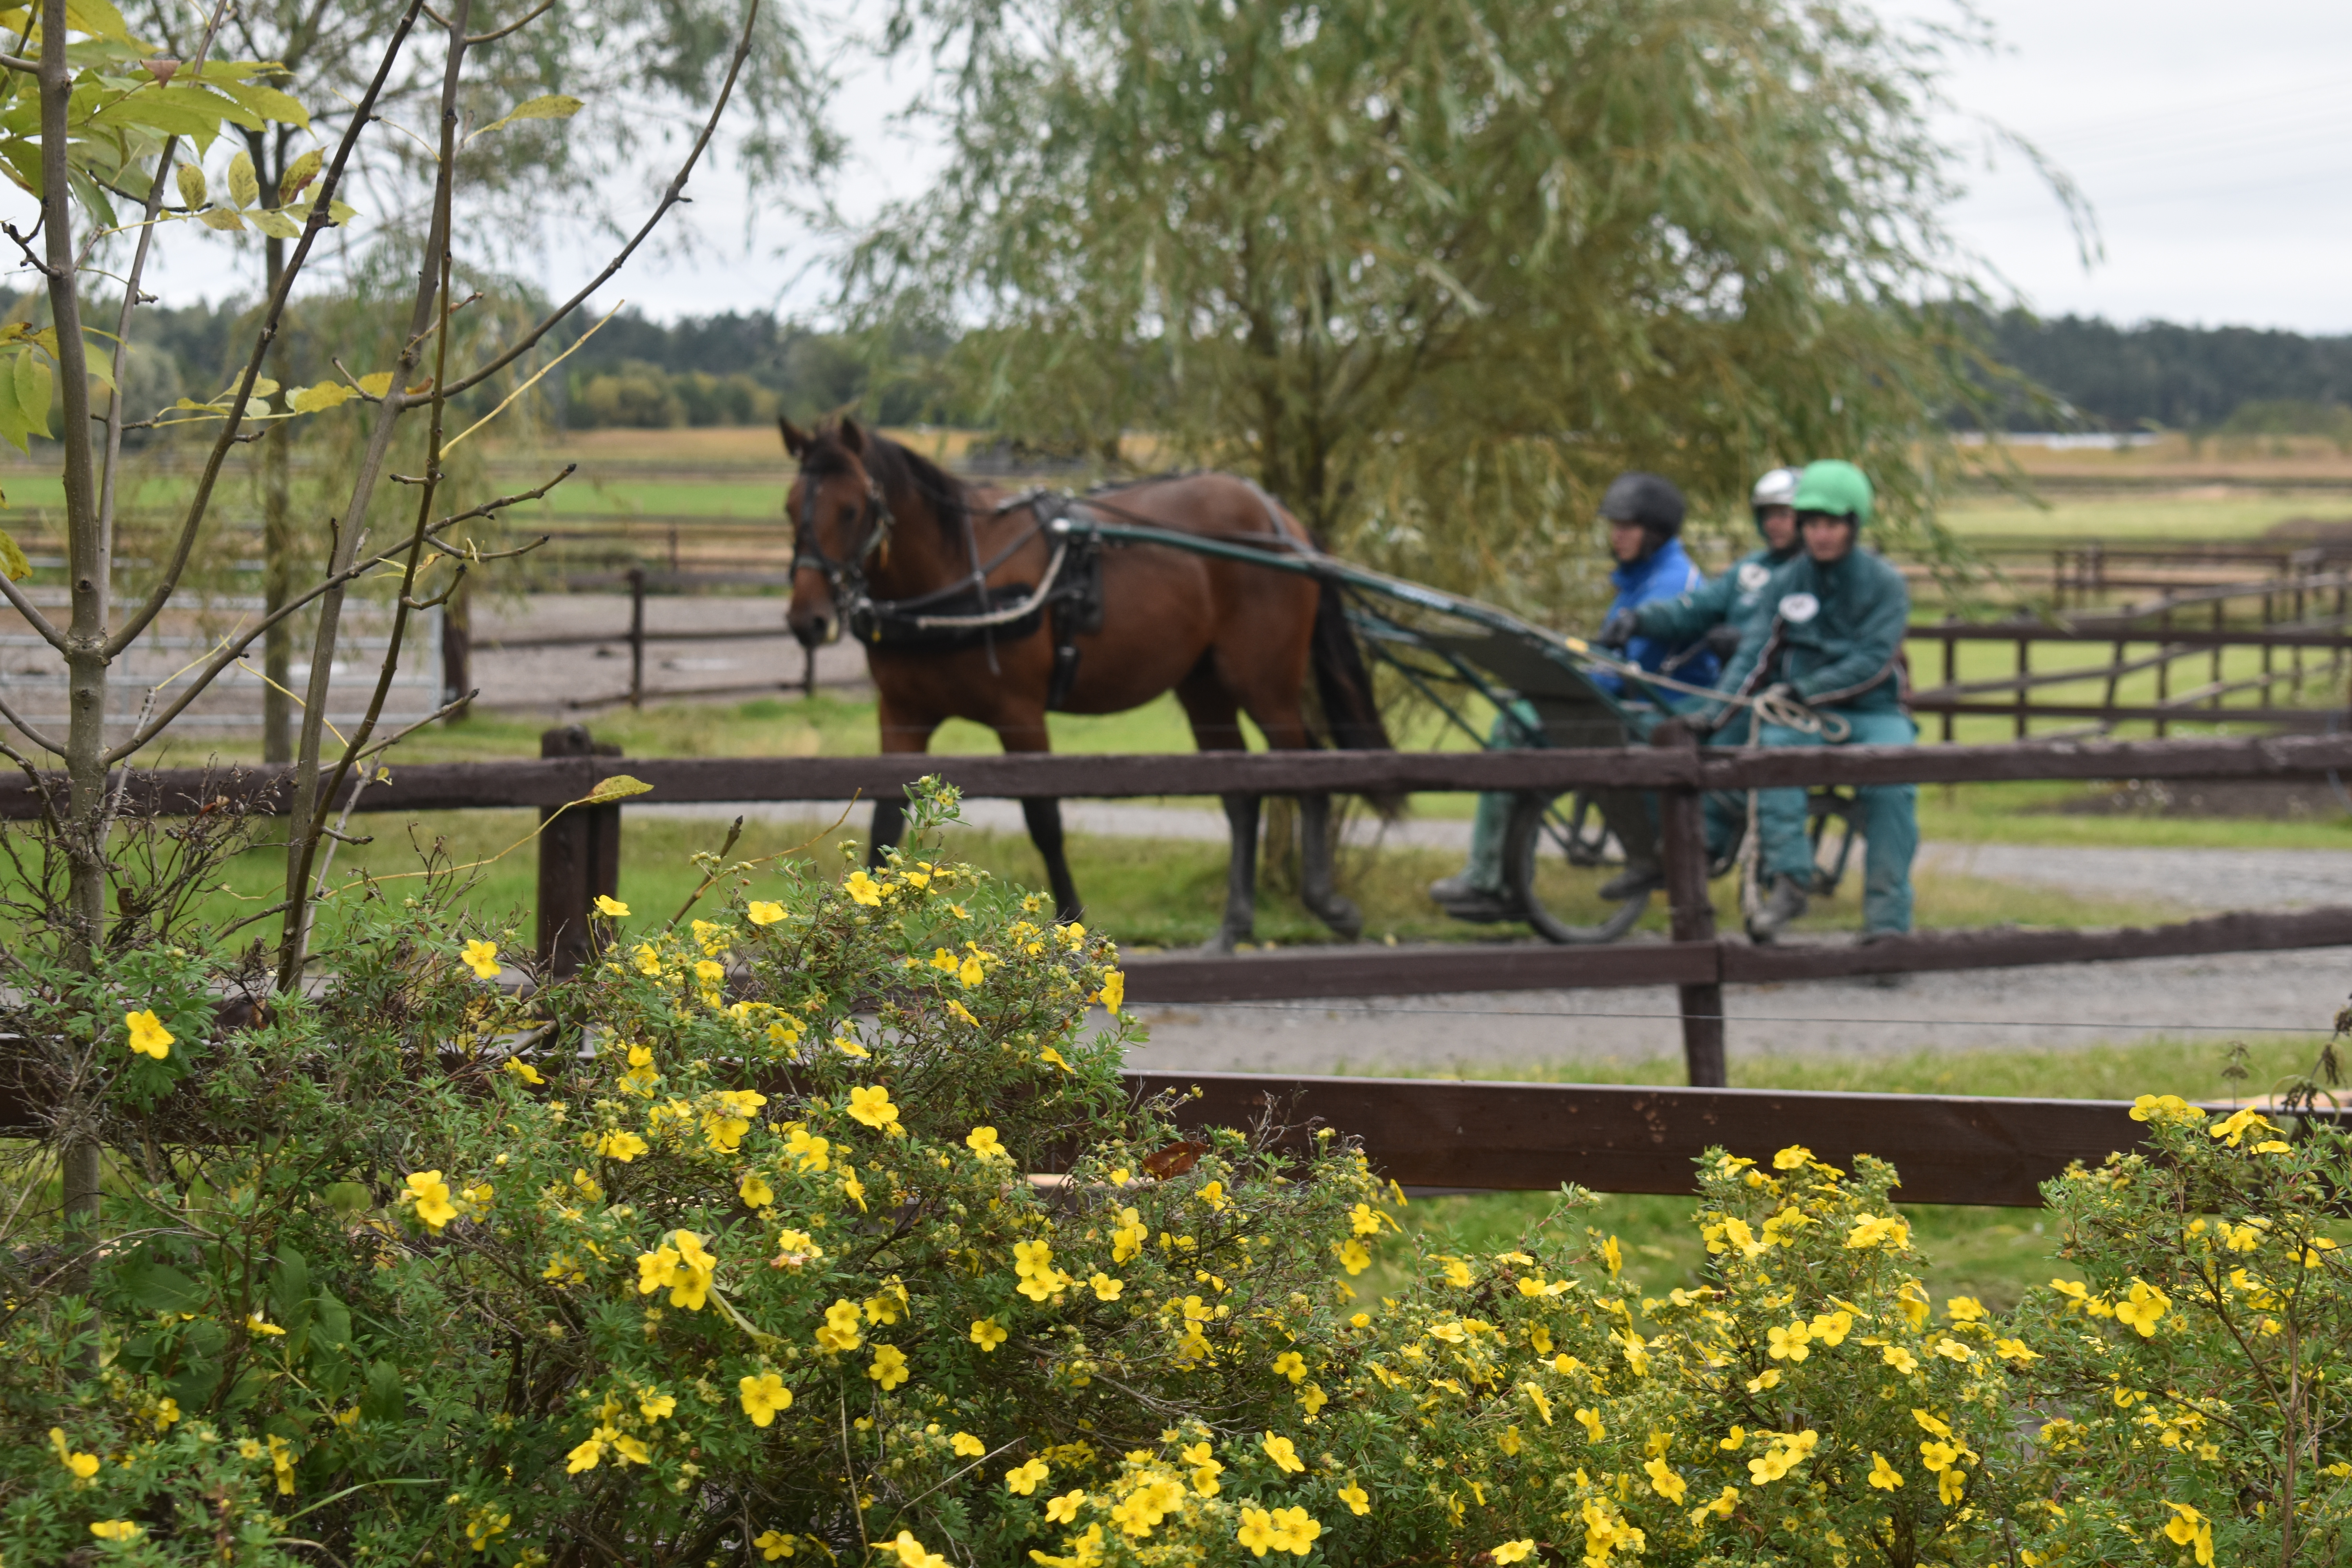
x=1345 y=687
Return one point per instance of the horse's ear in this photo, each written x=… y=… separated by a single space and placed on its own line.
x=797 y=441
x=852 y=437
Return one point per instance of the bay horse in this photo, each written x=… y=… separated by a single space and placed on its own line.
x=972 y=604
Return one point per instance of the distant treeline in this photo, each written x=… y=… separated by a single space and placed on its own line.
x=2232 y=380
x=739 y=369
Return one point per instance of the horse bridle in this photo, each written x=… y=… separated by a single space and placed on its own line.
x=845 y=578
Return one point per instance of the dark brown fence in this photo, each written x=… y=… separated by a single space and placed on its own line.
x=1435 y=1133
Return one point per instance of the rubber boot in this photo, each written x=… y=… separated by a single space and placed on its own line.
x=1784 y=904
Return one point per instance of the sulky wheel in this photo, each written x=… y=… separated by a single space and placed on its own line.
x=1543 y=838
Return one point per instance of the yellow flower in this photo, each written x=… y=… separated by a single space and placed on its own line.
x=1884 y=1476
x=1109 y=1290
x=253 y=1324
x=775 y=1543
x=1791 y=1342
x=1352 y=1256
x=754 y=1191
x=969 y=972
x=523 y=1070
x=1875 y=1230
x=83 y=1466
x=1065 y=1509
x=963 y=1444
x=2141 y=1310
x=2015 y=1350
x=840 y=1330
x=1791 y=1158
x=763 y=1397
x=888 y=1367
x=864 y=890
x=852 y=1188
x=987 y=1333
x=482 y=958
x=982 y=1142
x=621 y=1146
x=1536 y=1395
x=655 y=1406
x=116 y=1530
x=149 y=1038
x=612 y=908
x=2189 y=1528
x=1114 y=990
x=431 y=1196
x=1514 y=1551
x=1591 y=1422
x=1256 y=1531
x=763 y=913
x=872 y=1106
x=1358 y=1501
x=1951 y=1486
x=1053 y=1056
x=1292 y=1365
x=911 y=1553
x=1312 y=1399
x=1024 y=1478
x=1965 y=1309
x=1295 y=1530
x=585 y=1457
x=683 y=1264
x=1901 y=1360
x=1664 y=1481
x=813 y=1153
x=1279 y=1449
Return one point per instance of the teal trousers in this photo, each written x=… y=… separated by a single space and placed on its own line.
x=1890 y=821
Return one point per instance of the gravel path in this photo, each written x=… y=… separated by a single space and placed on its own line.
x=561 y=681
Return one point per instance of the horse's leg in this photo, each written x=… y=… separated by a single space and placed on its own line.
x=900 y=735
x=1043 y=815
x=1318 y=881
x=1216 y=727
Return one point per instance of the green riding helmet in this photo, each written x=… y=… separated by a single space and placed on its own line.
x=1837 y=487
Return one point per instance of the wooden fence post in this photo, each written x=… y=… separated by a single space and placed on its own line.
x=1682 y=846
x=637 y=636
x=579 y=858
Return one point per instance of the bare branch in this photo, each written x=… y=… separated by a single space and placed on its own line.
x=670 y=198
x=229 y=653
x=46 y=743
x=201 y=502
x=479 y=39
x=32 y=613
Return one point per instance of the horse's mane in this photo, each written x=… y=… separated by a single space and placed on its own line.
x=894 y=467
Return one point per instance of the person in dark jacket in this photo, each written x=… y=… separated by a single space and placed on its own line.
x=1644 y=514
x=1833 y=642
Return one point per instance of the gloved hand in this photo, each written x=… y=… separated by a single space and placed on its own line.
x=1722 y=639
x=1622 y=627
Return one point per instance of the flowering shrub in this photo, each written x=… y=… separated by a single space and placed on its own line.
x=733 y=1249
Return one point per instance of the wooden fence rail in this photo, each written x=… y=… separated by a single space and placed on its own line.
x=1613 y=1139
x=580 y=853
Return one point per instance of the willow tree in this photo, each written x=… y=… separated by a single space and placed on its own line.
x=1433 y=272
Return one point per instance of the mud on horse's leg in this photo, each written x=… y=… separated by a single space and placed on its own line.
x=1240 y=923
x=1318 y=875
x=1043 y=815
x=890 y=822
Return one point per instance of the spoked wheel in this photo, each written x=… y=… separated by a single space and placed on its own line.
x=1546 y=831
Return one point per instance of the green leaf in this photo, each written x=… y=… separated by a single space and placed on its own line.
x=276 y=224
x=32 y=378
x=289 y=1291
x=318 y=399
x=194 y=191
x=620 y=786
x=222 y=219
x=244 y=185
x=267 y=102
x=554 y=105
x=98 y=18
x=298 y=174
x=12 y=557
x=159 y=1287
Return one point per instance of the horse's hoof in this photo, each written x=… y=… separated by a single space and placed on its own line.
x=1346 y=920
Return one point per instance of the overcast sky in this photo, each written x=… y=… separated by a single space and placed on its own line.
x=2211 y=141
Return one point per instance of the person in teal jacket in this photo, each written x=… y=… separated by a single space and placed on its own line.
x=1833 y=640
x=1714 y=613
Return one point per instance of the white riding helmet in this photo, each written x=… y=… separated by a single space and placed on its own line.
x=1778 y=487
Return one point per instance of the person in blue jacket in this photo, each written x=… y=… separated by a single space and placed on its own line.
x=1833 y=642
x=1644 y=515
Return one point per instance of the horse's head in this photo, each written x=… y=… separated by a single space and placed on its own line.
x=840 y=522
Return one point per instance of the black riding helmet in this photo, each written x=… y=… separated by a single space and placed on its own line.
x=1648 y=500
